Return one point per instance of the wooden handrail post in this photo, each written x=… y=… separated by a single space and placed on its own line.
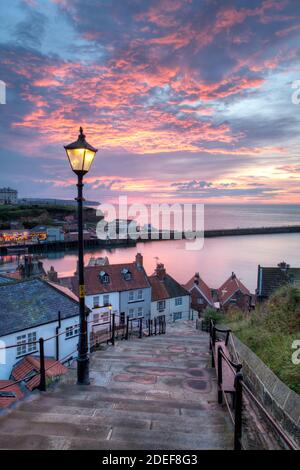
x=127 y=329
x=113 y=329
x=220 y=378
x=238 y=410
x=159 y=325
x=42 y=385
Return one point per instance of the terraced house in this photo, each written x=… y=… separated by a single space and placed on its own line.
x=121 y=288
x=168 y=298
x=35 y=309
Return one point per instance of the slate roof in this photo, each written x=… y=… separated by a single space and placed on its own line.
x=232 y=285
x=13 y=393
x=28 y=370
x=167 y=288
x=202 y=287
x=117 y=283
x=31 y=303
x=271 y=278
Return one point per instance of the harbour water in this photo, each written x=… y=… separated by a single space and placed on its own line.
x=219 y=256
x=215 y=262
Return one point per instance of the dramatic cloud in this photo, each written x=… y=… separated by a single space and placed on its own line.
x=184 y=98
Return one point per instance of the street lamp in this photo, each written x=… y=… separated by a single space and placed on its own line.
x=81 y=156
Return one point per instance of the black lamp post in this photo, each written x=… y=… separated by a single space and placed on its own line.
x=81 y=156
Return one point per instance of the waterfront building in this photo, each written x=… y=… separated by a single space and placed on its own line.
x=271 y=278
x=35 y=309
x=168 y=297
x=201 y=294
x=47 y=233
x=8 y=196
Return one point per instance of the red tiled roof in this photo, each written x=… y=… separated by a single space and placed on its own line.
x=30 y=364
x=65 y=290
x=13 y=388
x=94 y=286
x=227 y=290
x=202 y=287
x=159 y=290
x=166 y=288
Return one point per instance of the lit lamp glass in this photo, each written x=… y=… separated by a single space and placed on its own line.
x=80 y=154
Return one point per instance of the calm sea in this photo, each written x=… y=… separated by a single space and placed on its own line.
x=219 y=256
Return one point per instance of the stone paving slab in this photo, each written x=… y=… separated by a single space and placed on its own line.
x=151 y=393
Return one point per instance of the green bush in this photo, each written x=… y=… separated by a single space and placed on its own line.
x=212 y=314
x=270 y=331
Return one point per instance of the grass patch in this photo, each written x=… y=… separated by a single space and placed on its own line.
x=270 y=332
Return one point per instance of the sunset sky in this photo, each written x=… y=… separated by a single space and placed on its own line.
x=187 y=100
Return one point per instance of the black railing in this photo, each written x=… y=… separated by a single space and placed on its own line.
x=157 y=326
x=113 y=332
x=238 y=388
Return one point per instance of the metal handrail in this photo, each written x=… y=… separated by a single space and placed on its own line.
x=236 y=370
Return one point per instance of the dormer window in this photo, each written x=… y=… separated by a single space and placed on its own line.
x=104 y=277
x=126 y=274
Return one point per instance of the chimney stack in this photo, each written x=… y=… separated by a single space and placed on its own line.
x=197 y=278
x=160 y=271
x=139 y=260
x=52 y=275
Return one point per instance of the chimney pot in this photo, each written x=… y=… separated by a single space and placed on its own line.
x=160 y=271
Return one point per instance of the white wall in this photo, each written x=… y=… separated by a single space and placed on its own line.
x=66 y=346
x=171 y=308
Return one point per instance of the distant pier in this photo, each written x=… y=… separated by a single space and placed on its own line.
x=128 y=242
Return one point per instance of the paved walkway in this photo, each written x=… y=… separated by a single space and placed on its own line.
x=154 y=393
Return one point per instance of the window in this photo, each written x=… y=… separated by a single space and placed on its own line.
x=96 y=301
x=200 y=301
x=106 y=299
x=21 y=349
x=69 y=331
x=104 y=277
x=177 y=316
x=161 y=305
x=23 y=346
x=96 y=318
x=126 y=274
x=140 y=311
x=140 y=294
x=178 y=301
x=72 y=331
x=131 y=312
x=131 y=296
x=31 y=338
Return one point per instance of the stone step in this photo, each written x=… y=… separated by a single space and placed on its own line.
x=213 y=414
x=98 y=400
x=167 y=412
x=38 y=442
x=172 y=424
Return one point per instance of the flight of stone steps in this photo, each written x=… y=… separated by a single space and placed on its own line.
x=155 y=393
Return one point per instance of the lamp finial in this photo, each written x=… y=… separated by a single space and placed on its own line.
x=81 y=135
